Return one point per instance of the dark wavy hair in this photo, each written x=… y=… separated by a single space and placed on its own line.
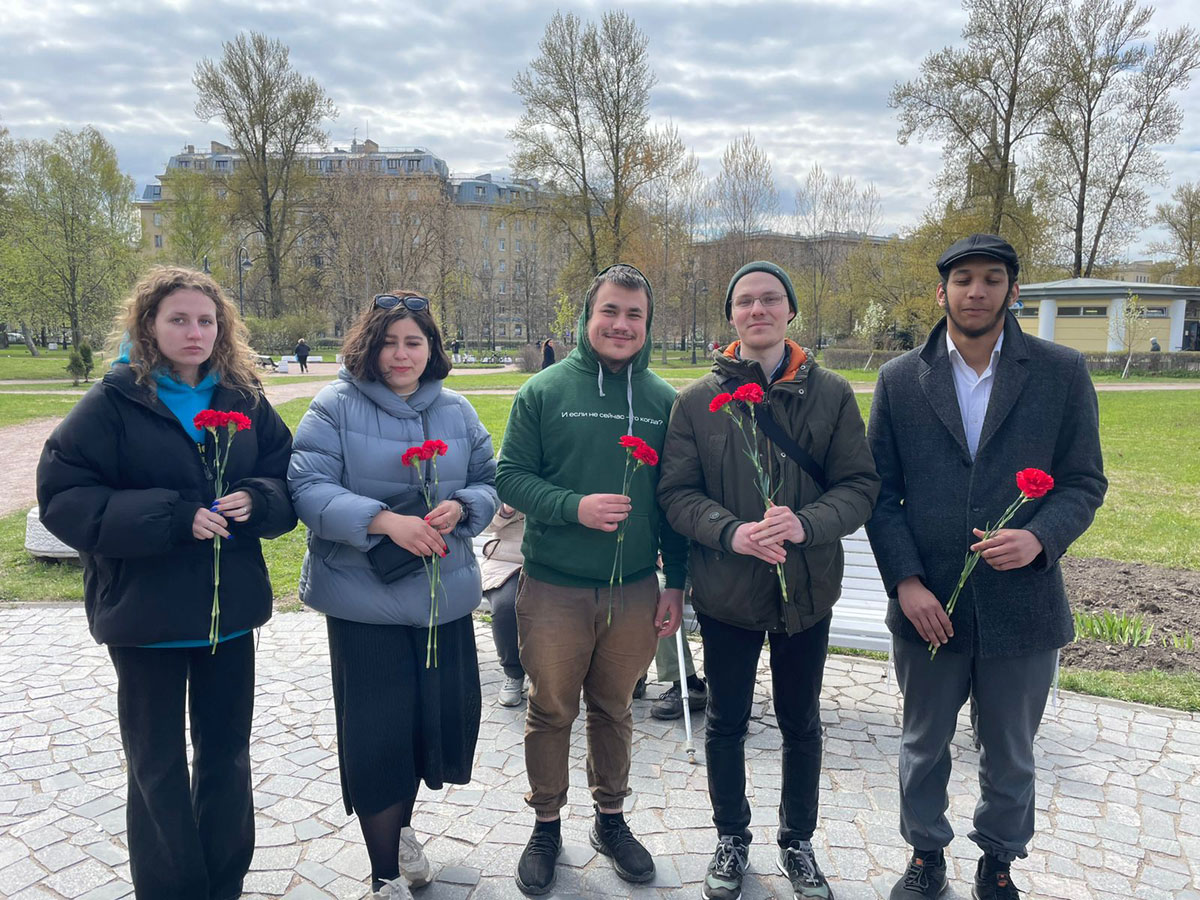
x=364 y=340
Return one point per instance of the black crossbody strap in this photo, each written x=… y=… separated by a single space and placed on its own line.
x=776 y=435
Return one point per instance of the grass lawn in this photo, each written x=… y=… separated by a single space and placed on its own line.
x=24 y=579
x=19 y=364
x=36 y=386
x=16 y=409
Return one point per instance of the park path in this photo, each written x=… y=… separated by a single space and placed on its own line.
x=1118 y=787
x=20 y=445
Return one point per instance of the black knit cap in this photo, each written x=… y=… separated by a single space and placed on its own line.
x=979 y=245
x=760 y=266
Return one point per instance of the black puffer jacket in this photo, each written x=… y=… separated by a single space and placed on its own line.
x=120 y=481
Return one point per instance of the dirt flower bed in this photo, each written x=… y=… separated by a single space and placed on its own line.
x=1167 y=598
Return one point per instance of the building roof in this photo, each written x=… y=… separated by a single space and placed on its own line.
x=1090 y=287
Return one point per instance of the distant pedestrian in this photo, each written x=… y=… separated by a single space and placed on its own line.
x=301 y=354
x=548 y=357
x=1154 y=348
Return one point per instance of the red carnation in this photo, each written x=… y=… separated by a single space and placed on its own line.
x=426 y=453
x=236 y=418
x=629 y=442
x=409 y=455
x=210 y=418
x=1034 y=483
x=719 y=401
x=749 y=393
x=646 y=454
x=438 y=447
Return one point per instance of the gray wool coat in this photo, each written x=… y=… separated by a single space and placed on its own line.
x=346 y=462
x=1042 y=414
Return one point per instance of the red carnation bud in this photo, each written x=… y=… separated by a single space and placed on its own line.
x=1034 y=483
x=719 y=401
x=749 y=393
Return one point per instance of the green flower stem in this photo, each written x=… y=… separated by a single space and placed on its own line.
x=972 y=560
x=763 y=477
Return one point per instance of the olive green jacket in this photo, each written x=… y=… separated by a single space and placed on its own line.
x=706 y=488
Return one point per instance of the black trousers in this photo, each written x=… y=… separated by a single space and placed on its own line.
x=797 y=667
x=504 y=626
x=190 y=837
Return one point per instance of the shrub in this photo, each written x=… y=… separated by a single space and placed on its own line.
x=75 y=367
x=530 y=358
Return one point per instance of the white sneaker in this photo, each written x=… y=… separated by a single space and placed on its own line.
x=511 y=691
x=393 y=889
x=414 y=864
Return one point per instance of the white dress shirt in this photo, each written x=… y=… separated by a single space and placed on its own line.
x=973 y=390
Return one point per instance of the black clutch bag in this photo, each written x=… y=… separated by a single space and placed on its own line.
x=390 y=561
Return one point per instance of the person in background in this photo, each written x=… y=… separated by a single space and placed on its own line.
x=400 y=720
x=1154 y=347
x=548 y=357
x=501 y=568
x=126 y=480
x=301 y=354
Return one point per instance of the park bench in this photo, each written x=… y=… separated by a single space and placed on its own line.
x=264 y=361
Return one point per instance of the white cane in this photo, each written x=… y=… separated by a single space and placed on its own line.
x=683 y=690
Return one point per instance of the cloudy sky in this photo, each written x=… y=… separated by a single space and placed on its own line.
x=809 y=79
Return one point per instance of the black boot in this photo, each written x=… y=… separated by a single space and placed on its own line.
x=612 y=837
x=535 y=869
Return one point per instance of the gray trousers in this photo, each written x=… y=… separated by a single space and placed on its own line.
x=1009 y=696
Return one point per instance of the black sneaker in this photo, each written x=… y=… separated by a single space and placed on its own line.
x=925 y=876
x=993 y=882
x=669 y=704
x=639 y=689
x=797 y=863
x=535 y=869
x=612 y=837
x=729 y=863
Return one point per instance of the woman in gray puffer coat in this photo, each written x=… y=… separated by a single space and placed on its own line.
x=398 y=721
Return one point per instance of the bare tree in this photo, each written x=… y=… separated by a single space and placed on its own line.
x=744 y=196
x=1182 y=221
x=270 y=112
x=1112 y=107
x=585 y=128
x=988 y=97
x=835 y=215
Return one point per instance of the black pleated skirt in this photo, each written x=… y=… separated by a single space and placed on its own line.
x=399 y=723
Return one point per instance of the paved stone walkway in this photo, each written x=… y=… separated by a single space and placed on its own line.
x=1118 y=793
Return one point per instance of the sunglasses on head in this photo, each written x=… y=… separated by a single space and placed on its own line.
x=391 y=301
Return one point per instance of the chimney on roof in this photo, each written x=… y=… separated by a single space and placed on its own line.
x=370 y=146
x=191 y=148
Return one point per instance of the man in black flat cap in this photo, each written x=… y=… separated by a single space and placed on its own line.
x=951 y=424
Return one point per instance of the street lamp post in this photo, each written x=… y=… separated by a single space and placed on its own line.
x=243 y=265
x=696 y=287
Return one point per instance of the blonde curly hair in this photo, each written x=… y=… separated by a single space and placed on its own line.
x=133 y=329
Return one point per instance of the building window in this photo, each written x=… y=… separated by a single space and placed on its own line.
x=393 y=164
x=517 y=226
x=158 y=242
x=518 y=246
x=517 y=269
x=500 y=225
x=201 y=165
x=484 y=242
x=1085 y=311
x=503 y=289
x=1155 y=312
x=1026 y=312
x=158 y=220
x=516 y=331
x=318 y=261
x=411 y=165
x=479 y=190
x=503 y=330
x=483 y=220
x=500 y=244
x=503 y=265
x=222 y=165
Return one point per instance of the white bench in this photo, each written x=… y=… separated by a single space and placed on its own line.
x=858 y=616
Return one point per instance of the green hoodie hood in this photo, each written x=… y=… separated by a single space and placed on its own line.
x=584 y=359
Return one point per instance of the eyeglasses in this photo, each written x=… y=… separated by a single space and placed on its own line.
x=391 y=301
x=769 y=301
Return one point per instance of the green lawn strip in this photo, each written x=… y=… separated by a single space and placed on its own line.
x=22 y=365
x=26 y=580
x=1175 y=691
x=16 y=409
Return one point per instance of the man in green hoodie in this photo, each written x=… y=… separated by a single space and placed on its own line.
x=587 y=618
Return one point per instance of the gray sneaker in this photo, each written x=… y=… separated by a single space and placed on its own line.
x=391 y=889
x=797 y=863
x=729 y=863
x=414 y=864
x=511 y=691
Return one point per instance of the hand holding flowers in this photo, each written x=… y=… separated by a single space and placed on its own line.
x=428 y=452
